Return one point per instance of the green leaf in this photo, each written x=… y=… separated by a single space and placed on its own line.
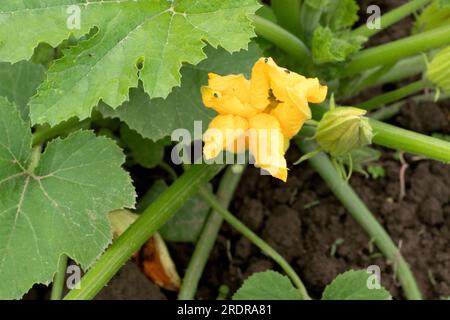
x=345 y=14
x=145 y=152
x=19 y=81
x=54 y=203
x=328 y=46
x=361 y=157
x=268 y=285
x=443 y=3
x=187 y=223
x=157 y=118
x=353 y=285
x=159 y=34
x=435 y=15
x=438 y=70
x=317 y=4
x=376 y=171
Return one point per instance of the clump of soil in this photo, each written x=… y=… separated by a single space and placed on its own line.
x=130 y=284
x=425 y=117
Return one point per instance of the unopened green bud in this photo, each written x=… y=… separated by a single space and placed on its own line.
x=438 y=70
x=342 y=130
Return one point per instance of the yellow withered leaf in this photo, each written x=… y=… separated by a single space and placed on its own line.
x=153 y=258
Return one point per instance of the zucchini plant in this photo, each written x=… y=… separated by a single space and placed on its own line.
x=91 y=89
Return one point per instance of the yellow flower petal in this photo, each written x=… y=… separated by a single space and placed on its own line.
x=315 y=92
x=287 y=86
x=281 y=80
x=267 y=145
x=234 y=84
x=278 y=169
x=225 y=132
x=260 y=85
x=209 y=96
x=228 y=95
x=290 y=117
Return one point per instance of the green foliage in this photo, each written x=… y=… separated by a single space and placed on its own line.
x=19 y=81
x=328 y=46
x=332 y=40
x=441 y=136
x=187 y=223
x=119 y=51
x=438 y=70
x=353 y=285
x=268 y=285
x=435 y=15
x=317 y=4
x=344 y=14
x=54 y=203
x=443 y=3
x=376 y=171
x=145 y=152
x=361 y=158
x=157 y=118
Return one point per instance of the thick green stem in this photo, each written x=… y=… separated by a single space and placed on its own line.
x=35 y=157
x=58 y=280
x=350 y=200
x=140 y=231
x=403 y=69
x=309 y=19
x=387 y=112
x=401 y=139
x=46 y=133
x=250 y=235
x=392 y=110
x=392 y=17
x=282 y=38
x=209 y=234
x=393 y=51
x=397 y=138
x=288 y=14
x=390 y=97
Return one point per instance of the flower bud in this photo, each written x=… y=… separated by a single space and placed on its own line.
x=438 y=71
x=342 y=130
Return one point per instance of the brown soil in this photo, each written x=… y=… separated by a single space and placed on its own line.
x=131 y=284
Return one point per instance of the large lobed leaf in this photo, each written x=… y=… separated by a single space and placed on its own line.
x=157 y=118
x=268 y=285
x=352 y=285
x=19 y=81
x=54 y=203
x=160 y=34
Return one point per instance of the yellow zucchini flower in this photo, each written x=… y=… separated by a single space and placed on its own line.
x=261 y=114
